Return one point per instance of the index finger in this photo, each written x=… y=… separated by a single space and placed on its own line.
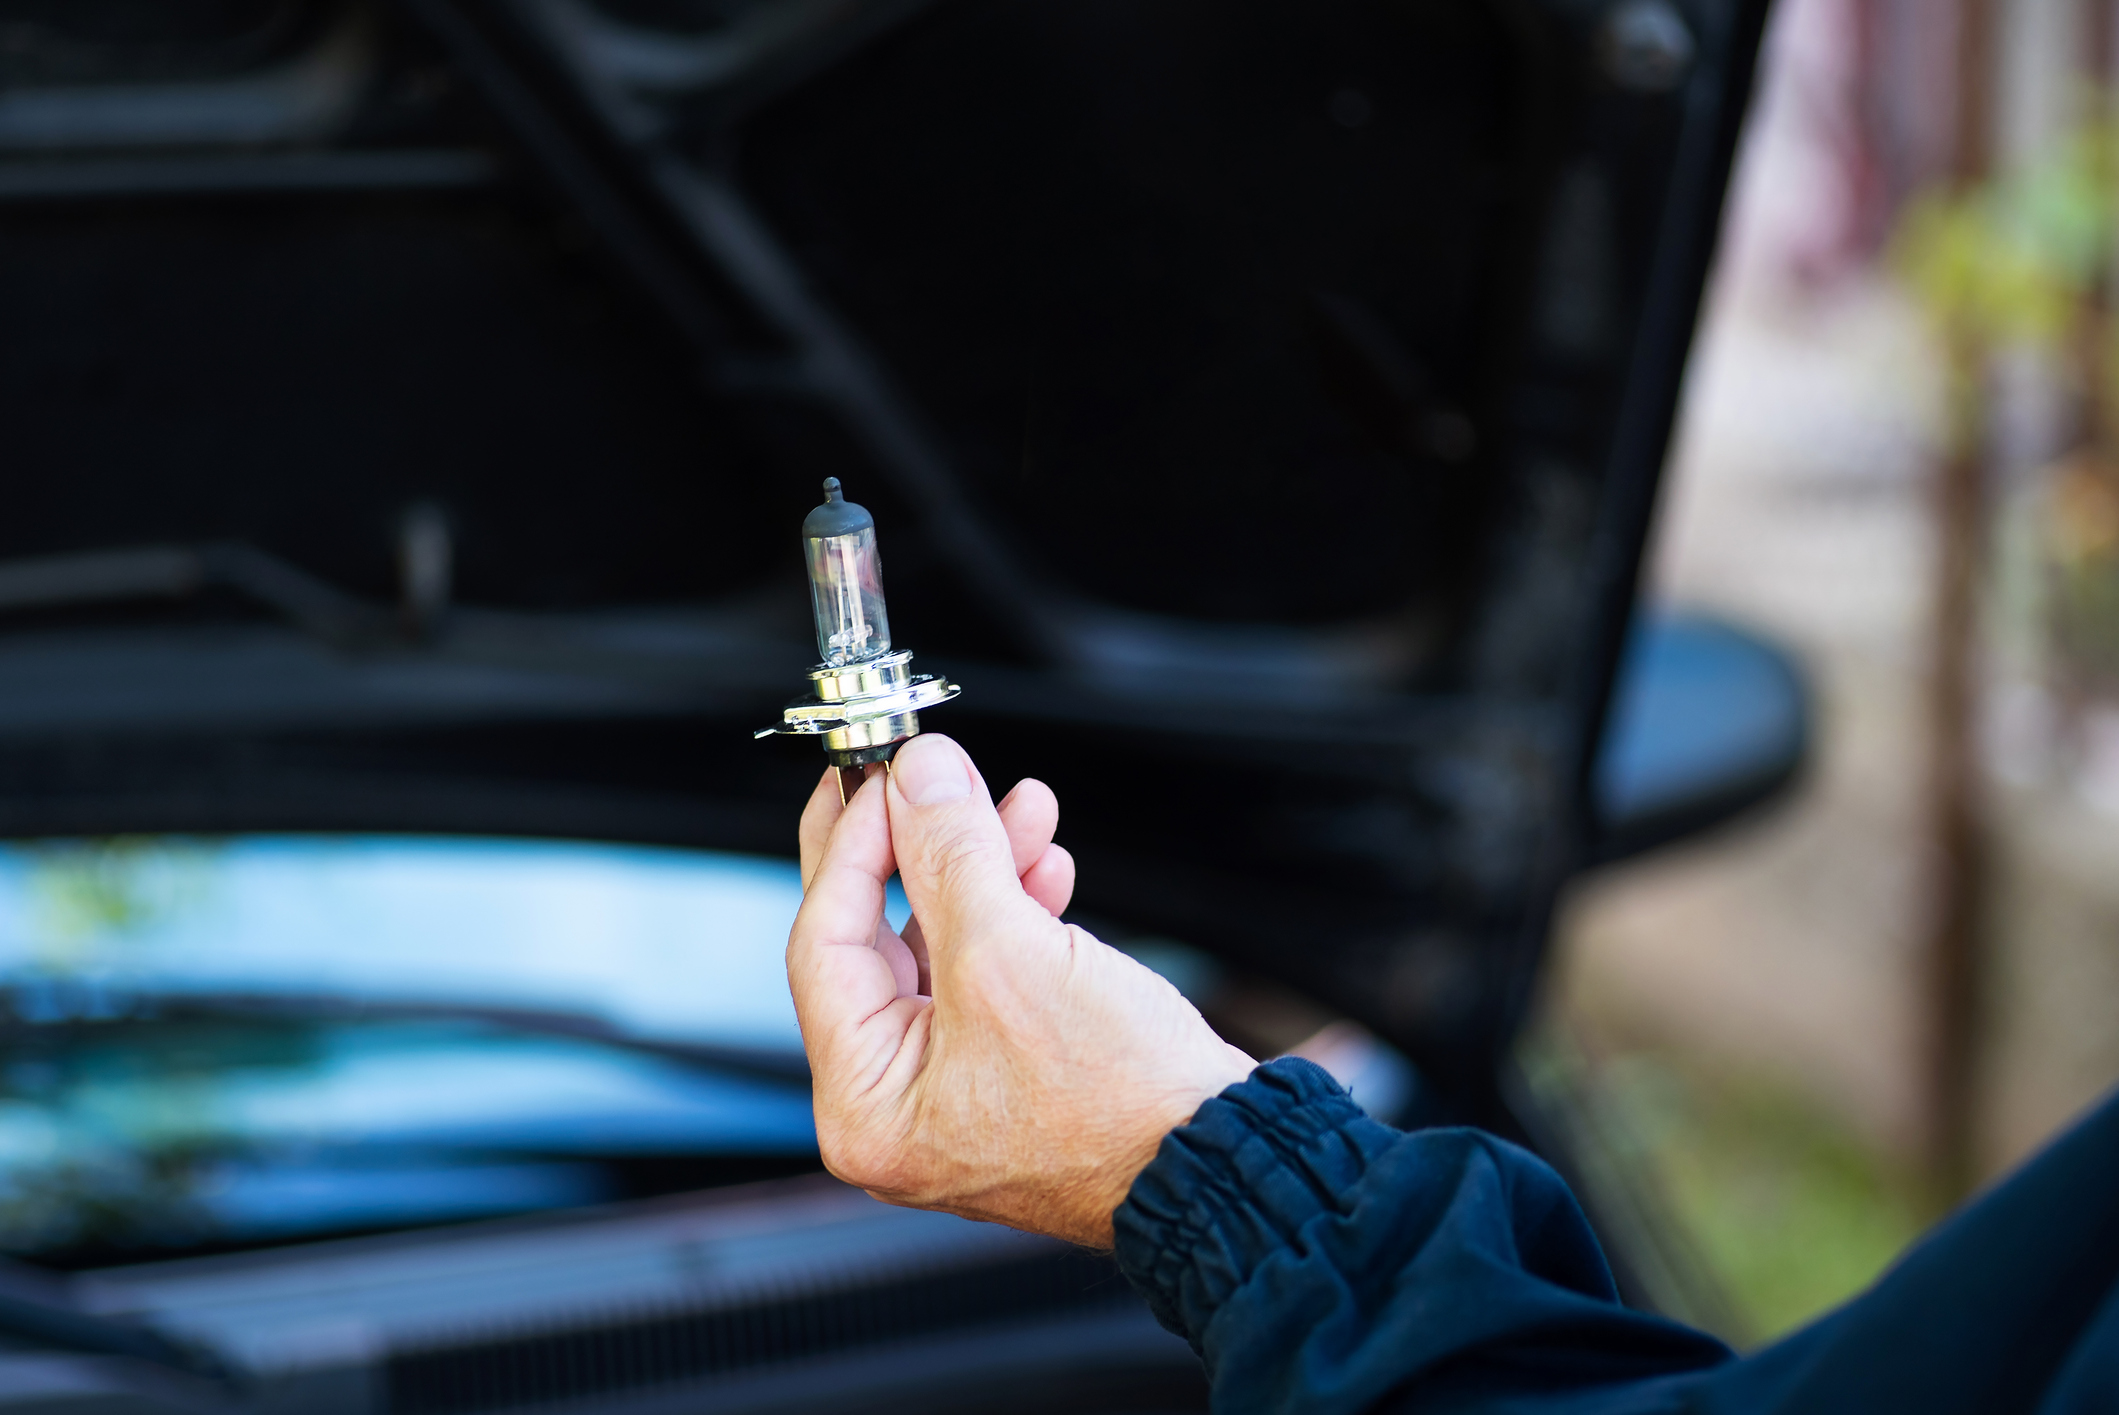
x=838 y=977
x=821 y=814
x=818 y=817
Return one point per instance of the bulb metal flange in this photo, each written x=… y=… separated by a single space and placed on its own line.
x=864 y=710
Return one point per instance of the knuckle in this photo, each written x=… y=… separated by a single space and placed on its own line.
x=964 y=856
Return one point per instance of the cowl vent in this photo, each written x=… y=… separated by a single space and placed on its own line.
x=546 y=1366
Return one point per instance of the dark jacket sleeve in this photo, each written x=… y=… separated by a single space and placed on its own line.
x=1322 y=1262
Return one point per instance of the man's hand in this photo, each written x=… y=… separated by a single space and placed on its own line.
x=993 y=1061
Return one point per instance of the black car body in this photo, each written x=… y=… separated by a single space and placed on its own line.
x=408 y=411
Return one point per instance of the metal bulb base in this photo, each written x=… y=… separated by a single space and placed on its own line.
x=863 y=711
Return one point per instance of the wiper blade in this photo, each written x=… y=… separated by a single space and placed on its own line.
x=788 y=1065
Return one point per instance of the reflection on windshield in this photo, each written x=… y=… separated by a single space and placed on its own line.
x=663 y=943
x=149 y=1103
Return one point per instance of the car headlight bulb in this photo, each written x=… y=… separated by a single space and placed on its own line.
x=864 y=698
x=845 y=581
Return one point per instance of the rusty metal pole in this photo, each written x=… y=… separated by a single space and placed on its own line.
x=1957 y=948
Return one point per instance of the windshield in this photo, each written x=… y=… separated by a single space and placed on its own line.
x=220 y=1043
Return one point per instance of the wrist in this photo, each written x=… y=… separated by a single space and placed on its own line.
x=1089 y=1219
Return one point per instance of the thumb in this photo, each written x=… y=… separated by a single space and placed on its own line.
x=953 y=852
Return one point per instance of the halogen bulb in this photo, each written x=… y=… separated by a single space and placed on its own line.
x=845 y=581
x=864 y=700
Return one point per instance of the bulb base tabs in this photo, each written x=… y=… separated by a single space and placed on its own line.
x=863 y=710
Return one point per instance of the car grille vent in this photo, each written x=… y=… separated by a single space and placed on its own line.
x=573 y=1363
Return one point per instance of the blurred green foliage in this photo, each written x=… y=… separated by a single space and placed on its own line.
x=2025 y=260
x=2011 y=260
x=1787 y=1208
x=1739 y=1202
x=85 y=894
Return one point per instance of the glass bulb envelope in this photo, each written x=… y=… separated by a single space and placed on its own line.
x=846 y=594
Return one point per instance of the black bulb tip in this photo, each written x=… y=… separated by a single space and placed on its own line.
x=837 y=516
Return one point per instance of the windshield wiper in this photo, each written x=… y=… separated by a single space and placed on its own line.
x=44 y=1006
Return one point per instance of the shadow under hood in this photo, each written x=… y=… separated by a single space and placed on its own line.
x=410 y=408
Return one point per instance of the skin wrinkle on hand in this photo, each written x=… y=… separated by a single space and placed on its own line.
x=1035 y=1071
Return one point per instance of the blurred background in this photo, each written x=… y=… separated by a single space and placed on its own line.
x=1816 y=1030
x=1775 y=1052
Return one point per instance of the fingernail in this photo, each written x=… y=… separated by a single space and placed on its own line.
x=931 y=770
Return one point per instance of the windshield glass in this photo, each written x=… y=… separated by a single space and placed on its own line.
x=666 y=943
x=221 y=1043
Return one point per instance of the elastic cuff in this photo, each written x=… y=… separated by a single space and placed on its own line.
x=1224 y=1191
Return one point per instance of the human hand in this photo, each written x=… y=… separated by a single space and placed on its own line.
x=993 y=1061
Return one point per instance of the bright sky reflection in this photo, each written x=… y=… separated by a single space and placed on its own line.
x=663 y=942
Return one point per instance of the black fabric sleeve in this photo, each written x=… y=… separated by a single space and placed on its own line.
x=1322 y=1262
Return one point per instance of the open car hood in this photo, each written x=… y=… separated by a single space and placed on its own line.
x=410 y=408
